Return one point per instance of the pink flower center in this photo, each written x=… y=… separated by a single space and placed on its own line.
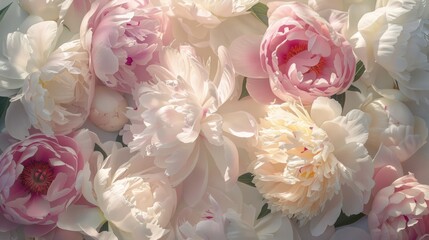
x=299 y=47
x=129 y=61
x=37 y=177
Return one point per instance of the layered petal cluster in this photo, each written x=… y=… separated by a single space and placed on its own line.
x=232 y=215
x=400 y=211
x=392 y=43
x=52 y=85
x=313 y=165
x=41 y=176
x=186 y=118
x=135 y=197
x=393 y=125
x=206 y=23
x=300 y=56
x=122 y=38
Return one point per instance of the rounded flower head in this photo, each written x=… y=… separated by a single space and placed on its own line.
x=392 y=42
x=122 y=38
x=41 y=175
x=182 y=119
x=300 y=56
x=312 y=166
x=134 y=196
x=394 y=126
x=400 y=211
x=54 y=89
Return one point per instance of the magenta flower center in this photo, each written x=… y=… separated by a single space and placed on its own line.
x=37 y=177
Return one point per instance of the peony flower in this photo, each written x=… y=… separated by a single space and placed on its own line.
x=231 y=215
x=40 y=177
x=53 y=89
x=313 y=165
x=135 y=197
x=212 y=23
x=399 y=211
x=126 y=190
x=122 y=38
x=187 y=120
x=300 y=56
x=46 y=9
x=393 y=125
x=392 y=43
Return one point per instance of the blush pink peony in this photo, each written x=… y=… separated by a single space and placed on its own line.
x=123 y=37
x=39 y=177
x=400 y=211
x=300 y=56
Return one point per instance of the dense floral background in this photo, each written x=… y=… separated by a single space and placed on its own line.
x=232 y=119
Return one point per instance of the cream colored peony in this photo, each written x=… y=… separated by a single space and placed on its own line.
x=48 y=81
x=206 y=23
x=392 y=42
x=188 y=118
x=312 y=165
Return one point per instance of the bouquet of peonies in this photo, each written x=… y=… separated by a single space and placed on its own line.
x=232 y=119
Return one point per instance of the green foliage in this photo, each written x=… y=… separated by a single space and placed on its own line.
x=244 y=92
x=99 y=149
x=4 y=104
x=247 y=178
x=360 y=69
x=264 y=211
x=344 y=220
x=3 y=11
x=260 y=11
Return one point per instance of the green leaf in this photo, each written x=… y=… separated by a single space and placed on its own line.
x=244 y=92
x=341 y=98
x=264 y=211
x=3 y=11
x=120 y=140
x=360 y=69
x=247 y=178
x=104 y=227
x=4 y=104
x=353 y=89
x=99 y=149
x=343 y=219
x=260 y=11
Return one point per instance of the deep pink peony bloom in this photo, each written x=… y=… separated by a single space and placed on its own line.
x=400 y=211
x=300 y=56
x=123 y=37
x=39 y=177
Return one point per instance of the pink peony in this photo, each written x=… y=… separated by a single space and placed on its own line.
x=123 y=37
x=39 y=177
x=400 y=211
x=300 y=56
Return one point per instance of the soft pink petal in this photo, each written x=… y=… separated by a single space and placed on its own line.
x=245 y=55
x=260 y=90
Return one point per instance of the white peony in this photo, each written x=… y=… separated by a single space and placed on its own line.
x=393 y=125
x=313 y=165
x=48 y=80
x=392 y=42
x=187 y=119
x=232 y=215
x=205 y=23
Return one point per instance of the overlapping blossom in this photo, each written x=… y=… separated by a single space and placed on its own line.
x=313 y=165
x=184 y=120
x=41 y=175
x=300 y=56
x=48 y=80
x=122 y=38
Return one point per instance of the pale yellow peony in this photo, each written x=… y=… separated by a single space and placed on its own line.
x=313 y=165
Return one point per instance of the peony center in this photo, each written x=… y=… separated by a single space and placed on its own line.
x=37 y=177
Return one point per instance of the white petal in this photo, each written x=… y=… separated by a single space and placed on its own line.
x=324 y=109
x=225 y=76
x=16 y=121
x=350 y=233
x=332 y=210
x=195 y=185
x=80 y=217
x=240 y=124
